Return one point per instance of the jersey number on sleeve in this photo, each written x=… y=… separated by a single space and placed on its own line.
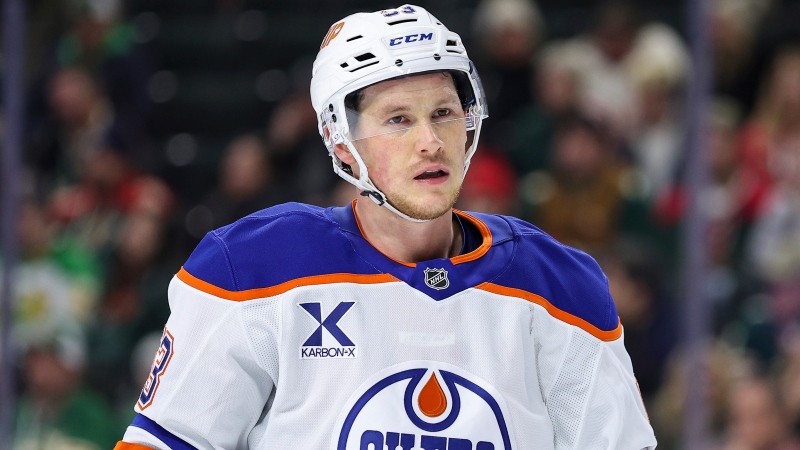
x=160 y=363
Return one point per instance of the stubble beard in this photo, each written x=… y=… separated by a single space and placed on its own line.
x=420 y=210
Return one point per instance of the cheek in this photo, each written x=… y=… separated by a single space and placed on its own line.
x=380 y=170
x=379 y=161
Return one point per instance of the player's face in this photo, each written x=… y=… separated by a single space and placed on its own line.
x=411 y=133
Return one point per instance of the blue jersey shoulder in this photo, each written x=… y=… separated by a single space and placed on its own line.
x=567 y=278
x=499 y=226
x=273 y=246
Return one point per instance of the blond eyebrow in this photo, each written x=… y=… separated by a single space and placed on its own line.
x=394 y=108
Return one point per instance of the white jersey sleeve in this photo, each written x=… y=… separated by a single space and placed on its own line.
x=586 y=380
x=207 y=389
x=591 y=396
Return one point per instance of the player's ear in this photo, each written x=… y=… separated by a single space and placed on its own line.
x=343 y=153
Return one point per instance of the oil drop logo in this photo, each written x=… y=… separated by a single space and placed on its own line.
x=424 y=405
x=431 y=400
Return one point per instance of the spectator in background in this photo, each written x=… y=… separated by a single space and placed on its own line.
x=109 y=190
x=80 y=118
x=598 y=56
x=95 y=33
x=88 y=38
x=775 y=124
x=509 y=32
x=100 y=42
x=530 y=132
x=56 y=278
x=293 y=139
x=658 y=68
x=724 y=366
x=737 y=56
x=246 y=184
x=56 y=412
x=490 y=186
x=758 y=419
x=607 y=56
x=774 y=247
x=735 y=199
x=584 y=200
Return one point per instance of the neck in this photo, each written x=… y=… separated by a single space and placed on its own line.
x=407 y=241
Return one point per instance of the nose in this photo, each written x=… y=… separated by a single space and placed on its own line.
x=427 y=139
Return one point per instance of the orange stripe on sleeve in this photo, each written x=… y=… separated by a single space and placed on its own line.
x=251 y=294
x=126 y=446
x=563 y=316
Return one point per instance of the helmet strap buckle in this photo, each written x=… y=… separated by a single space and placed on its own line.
x=375 y=196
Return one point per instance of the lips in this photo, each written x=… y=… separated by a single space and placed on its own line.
x=428 y=174
x=431 y=173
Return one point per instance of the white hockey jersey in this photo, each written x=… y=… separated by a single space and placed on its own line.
x=289 y=330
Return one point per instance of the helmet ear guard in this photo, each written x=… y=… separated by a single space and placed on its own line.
x=368 y=48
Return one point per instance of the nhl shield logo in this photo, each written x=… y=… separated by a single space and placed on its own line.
x=436 y=279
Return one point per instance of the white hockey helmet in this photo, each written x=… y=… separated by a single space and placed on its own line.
x=366 y=48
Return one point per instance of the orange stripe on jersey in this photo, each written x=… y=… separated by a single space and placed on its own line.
x=563 y=316
x=251 y=294
x=126 y=446
x=485 y=245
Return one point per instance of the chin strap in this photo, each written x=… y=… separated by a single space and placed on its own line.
x=380 y=199
x=368 y=188
x=375 y=196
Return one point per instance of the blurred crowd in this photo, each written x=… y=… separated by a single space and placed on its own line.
x=586 y=139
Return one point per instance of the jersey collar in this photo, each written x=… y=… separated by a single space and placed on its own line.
x=437 y=278
x=352 y=224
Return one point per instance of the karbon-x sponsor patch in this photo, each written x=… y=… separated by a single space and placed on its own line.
x=327 y=340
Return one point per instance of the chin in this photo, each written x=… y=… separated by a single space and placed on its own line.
x=426 y=214
x=425 y=208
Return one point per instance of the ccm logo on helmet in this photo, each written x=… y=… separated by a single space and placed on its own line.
x=411 y=39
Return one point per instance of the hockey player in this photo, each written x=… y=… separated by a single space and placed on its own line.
x=396 y=322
